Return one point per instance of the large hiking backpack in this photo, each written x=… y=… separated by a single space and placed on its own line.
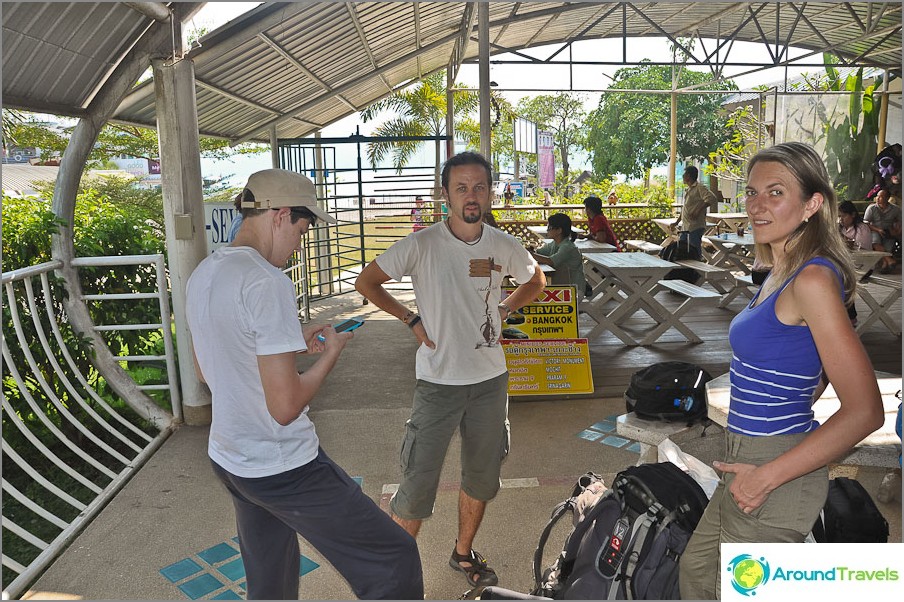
x=669 y=391
x=675 y=251
x=628 y=543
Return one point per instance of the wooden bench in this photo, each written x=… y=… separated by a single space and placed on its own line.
x=650 y=433
x=694 y=295
x=642 y=245
x=742 y=286
x=719 y=278
x=879 y=309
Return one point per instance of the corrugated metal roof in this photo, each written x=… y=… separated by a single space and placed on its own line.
x=300 y=66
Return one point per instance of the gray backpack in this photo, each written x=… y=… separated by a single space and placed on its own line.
x=628 y=544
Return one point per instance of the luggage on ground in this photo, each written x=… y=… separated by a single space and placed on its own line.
x=850 y=515
x=627 y=544
x=669 y=391
x=677 y=250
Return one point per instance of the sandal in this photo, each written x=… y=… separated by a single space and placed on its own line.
x=477 y=571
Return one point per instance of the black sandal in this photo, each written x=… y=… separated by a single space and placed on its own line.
x=478 y=573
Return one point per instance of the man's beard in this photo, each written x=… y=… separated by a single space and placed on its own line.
x=471 y=219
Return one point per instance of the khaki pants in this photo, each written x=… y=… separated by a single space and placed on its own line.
x=787 y=515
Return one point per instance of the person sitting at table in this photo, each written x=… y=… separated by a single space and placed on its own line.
x=562 y=254
x=697 y=201
x=884 y=220
x=857 y=235
x=853 y=229
x=597 y=224
x=787 y=345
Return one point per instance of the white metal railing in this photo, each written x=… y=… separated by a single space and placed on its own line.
x=68 y=448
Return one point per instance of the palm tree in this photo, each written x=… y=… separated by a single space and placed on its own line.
x=421 y=111
x=12 y=119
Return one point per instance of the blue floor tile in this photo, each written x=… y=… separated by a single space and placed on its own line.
x=612 y=418
x=200 y=586
x=306 y=566
x=634 y=447
x=180 y=570
x=590 y=435
x=604 y=426
x=359 y=481
x=218 y=553
x=614 y=441
x=233 y=570
x=227 y=595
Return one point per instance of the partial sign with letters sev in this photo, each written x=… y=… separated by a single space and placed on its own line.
x=542 y=350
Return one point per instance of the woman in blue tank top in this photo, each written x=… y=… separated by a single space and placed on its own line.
x=790 y=341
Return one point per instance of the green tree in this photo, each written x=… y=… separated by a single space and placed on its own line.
x=501 y=144
x=630 y=132
x=52 y=138
x=562 y=114
x=420 y=111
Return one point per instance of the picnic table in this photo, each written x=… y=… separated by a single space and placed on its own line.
x=864 y=262
x=584 y=245
x=732 y=251
x=881 y=448
x=632 y=280
x=726 y=222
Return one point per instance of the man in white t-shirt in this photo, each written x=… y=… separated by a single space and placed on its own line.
x=456 y=267
x=245 y=332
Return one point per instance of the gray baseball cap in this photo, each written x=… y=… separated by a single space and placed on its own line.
x=275 y=188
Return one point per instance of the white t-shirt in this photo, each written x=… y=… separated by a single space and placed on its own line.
x=239 y=307
x=459 y=312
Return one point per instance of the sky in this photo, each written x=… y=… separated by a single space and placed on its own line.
x=508 y=78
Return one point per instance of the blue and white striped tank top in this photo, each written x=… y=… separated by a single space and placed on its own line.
x=775 y=369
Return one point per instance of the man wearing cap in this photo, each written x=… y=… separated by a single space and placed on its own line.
x=457 y=267
x=245 y=332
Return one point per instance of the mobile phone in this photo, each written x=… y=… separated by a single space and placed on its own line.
x=350 y=324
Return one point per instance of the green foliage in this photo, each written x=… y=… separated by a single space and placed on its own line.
x=852 y=142
x=630 y=132
x=729 y=161
x=420 y=111
x=562 y=114
x=52 y=138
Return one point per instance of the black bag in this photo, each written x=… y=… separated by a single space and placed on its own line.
x=669 y=391
x=850 y=515
x=675 y=251
x=630 y=539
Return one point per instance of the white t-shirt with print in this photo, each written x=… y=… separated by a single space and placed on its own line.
x=459 y=312
x=239 y=307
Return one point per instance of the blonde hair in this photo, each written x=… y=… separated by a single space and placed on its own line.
x=819 y=235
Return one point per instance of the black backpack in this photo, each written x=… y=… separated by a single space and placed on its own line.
x=630 y=539
x=850 y=515
x=675 y=251
x=669 y=391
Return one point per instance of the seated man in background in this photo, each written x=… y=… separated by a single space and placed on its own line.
x=884 y=220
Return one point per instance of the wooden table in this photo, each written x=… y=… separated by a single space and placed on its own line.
x=881 y=448
x=726 y=222
x=631 y=280
x=584 y=245
x=864 y=261
x=667 y=224
x=732 y=251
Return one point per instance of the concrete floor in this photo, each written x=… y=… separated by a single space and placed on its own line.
x=174 y=513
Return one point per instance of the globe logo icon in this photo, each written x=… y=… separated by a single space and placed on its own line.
x=748 y=573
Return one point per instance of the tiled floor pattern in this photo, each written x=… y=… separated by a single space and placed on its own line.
x=604 y=432
x=218 y=573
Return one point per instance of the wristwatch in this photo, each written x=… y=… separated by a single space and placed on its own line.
x=506 y=309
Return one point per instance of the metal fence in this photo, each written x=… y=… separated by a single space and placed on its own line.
x=69 y=442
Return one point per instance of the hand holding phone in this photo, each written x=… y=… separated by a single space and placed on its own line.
x=345 y=325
